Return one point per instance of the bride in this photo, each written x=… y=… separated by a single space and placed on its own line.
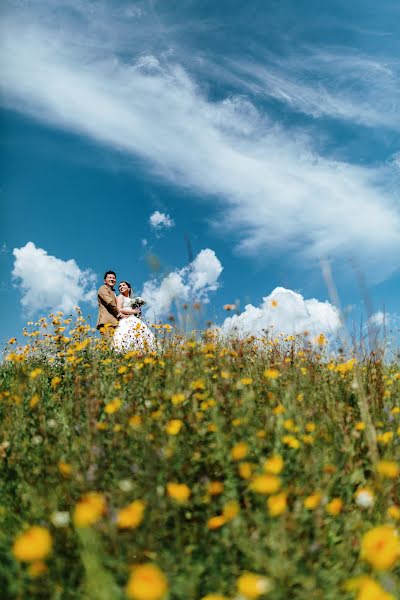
x=131 y=333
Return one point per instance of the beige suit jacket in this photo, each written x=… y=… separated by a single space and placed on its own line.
x=108 y=310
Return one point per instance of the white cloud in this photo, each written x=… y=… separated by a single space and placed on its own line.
x=341 y=85
x=379 y=319
x=274 y=186
x=395 y=160
x=49 y=283
x=204 y=273
x=160 y=297
x=193 y=282
x=285 y=311
x=160 y=220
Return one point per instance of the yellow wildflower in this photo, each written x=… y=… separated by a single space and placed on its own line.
x=380 y=547
x=179 y=492
x=251 y=585
x=321 y=340
x=360 y=426
x=177 y=398
x=394 y=512
x=147 y=582
x=388 y=468
x=216 y=522
x=35 y=373
x=245 y=470
x=291 y=441
x=198 y=384
x=135 y=421
x=37 y=568
x=271 y=373
x=246 y=381
x=277 y=504
x=113 y=406
x=274 y=464
x=239 y=451
x=64 y=468
x=334 y=507
x=215 y=488
x=214 y=597
x=34 y=544
x=346 y=367
x=89 y=509
x=174 y=426
x=34 y=400
x=367 y=589
x=385 y=438
x=313 y=501
x=55 y=382
x=231 y=510
x=131 y=516
x=265 y=484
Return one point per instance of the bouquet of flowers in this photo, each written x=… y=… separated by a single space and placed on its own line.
x=137 y=302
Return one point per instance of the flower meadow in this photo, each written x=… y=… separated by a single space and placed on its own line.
x=209 y=469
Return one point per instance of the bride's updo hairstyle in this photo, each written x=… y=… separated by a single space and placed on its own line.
x=129 y=286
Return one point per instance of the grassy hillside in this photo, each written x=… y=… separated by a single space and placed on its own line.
x=257 y=468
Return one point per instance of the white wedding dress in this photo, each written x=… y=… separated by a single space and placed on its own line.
x=132 y=333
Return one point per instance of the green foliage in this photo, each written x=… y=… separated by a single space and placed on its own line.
x=77 y=418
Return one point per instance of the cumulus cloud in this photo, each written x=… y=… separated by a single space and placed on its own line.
x=276 y=188
x=50 y=283
x=379 y=319
x=160 y=296
x=193 y=282
x=160 y=220
x=204 y=273
x=285 y=311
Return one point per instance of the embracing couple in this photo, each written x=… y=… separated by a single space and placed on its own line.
x=119 y=316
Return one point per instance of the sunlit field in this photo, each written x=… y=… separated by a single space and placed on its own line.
x=256 y=468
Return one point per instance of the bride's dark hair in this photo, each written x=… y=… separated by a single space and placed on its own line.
x=129 y=286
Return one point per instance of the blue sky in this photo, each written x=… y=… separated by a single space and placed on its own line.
x=267 y=131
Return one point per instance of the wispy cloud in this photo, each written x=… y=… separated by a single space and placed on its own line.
x=333 y=83
x=275 y=188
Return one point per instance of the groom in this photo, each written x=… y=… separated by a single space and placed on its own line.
x=107 y=319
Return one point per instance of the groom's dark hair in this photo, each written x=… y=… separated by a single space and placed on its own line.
x=109 y=273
